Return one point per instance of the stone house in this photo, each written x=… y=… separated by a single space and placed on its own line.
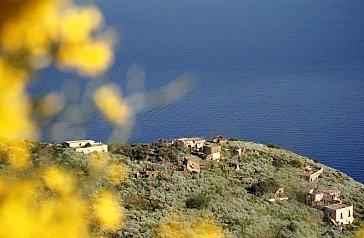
x=323 y=197
x=220 y=140
x=192 y=143
x=339 y=214
x=212 y=151
x=193 y=164
x=277 y=196
x=312 y=174
x=87 y=146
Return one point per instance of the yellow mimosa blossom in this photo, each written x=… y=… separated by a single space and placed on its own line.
x=107 y=210
x=109 y=101
x=24 y=213
x=116 y=173
x=182 y=226
x=63 y=217
x=16 y=209
x=99 y=161
x=360 y=233
x=88 y=58
x=14 y=104
x=17 y=152
x=58 y=180
x=47 y=201
x=78 y=23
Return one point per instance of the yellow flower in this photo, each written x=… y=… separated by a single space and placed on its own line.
x=108 y=100
x=78 y=24
x=98 y=162
x=16 y=209
x=182 y=226
x=107 y=210
x=58 y=180
x=116 y=173
x=90 y=58
x=360 y=233
x=17 y=152
x=14 y=104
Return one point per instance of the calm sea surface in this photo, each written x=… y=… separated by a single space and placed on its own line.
x=284 y=72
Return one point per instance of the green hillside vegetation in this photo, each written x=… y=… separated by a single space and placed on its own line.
x=237 y=199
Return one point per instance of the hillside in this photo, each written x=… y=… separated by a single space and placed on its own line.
x=232 y=192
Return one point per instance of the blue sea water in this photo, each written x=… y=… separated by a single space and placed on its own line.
x=284 y=72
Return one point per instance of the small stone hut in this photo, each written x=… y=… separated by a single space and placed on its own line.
x=212 y=151
x=193 y=164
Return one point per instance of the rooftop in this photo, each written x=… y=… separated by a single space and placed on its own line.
x=212 y=145
x=79 y=141
x=337 y=206
x=191 y=139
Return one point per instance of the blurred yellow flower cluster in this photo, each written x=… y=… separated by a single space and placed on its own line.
x=49 y=201
x=24 y=212
x=107 y=210
x=17 y=152
x=109 y=101
x=15 y=106
x=36 y=32
x=188 y=226
x=360 y=233
x=103 y=166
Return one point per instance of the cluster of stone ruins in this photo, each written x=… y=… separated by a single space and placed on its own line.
x=329 y=200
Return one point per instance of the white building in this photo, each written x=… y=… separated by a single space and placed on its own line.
x=339 y=213
x=87 y=146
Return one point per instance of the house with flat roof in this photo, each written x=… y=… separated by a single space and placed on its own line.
x=87 y=146
x=339 y=214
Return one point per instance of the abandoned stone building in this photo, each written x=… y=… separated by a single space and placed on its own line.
x=312 y=174
x=339 y=214
x=220 y=140
x=212 y=151
x=323 y=197
x=149 y=174
x=192 y=143
x=87 y=146
x=193 y=164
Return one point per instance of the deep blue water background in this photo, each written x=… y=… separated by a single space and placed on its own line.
x=288 y=72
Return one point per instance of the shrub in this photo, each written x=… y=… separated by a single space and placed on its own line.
x=277 y=163
x=198 y=201
x=273 y=146
x=297 y=163
x=292 y=227
x=264 y=187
